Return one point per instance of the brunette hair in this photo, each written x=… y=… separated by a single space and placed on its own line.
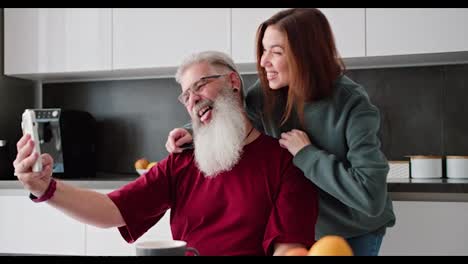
x=313 y=60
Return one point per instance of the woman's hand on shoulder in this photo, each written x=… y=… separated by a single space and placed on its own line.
x=294 y=141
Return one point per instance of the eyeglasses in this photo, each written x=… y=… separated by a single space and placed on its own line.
x=197 y=87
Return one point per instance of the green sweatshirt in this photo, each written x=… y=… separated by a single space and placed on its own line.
x=344 y=159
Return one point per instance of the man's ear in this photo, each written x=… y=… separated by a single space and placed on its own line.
x=235 y=81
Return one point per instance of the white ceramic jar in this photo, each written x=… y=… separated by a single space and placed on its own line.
x=426 y=167
x=457 y=167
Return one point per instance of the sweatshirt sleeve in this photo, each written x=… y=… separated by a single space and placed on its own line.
x=361 y=184
x=188 y=127
x=144 y=201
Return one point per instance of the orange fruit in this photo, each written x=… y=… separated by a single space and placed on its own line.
x=330 y=245
x=151 y=165
x=141 y=163
x=298 y=251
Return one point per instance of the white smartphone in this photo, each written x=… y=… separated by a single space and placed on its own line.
x=30 y=126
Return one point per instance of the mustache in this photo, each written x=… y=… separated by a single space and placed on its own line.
x=200 y=105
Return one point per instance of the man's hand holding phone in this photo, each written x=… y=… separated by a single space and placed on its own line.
x=35 y=182
x=33 y=170
x=30 y=127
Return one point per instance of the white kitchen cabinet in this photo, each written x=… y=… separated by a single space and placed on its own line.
x=57 y=40
x=162 y=37
x=427 y=228
x=348 y=25
x=245 y=22
x=402 y=31
x=76 y=44
x=37 y=228
x=109 y=242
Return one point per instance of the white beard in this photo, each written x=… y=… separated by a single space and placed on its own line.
x=219 y=144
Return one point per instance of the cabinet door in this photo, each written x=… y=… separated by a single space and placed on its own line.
x=27 y=227
x=245 y=22
x=56 y=40
x=427 y=228
x=162 y=37
x=403 y=31
x=109 y=242
x=348 y=26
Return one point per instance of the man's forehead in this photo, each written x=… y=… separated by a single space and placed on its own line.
x=193 y=74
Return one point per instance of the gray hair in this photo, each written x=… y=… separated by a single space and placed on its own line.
x=216 y=59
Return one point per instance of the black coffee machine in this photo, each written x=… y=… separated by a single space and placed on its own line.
x=6 y=165
x=69 y=136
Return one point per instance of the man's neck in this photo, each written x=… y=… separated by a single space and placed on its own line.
x=252 y=133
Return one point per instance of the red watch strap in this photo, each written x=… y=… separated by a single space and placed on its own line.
x=48 y=193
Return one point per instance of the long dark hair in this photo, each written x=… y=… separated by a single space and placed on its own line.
x=314 y=62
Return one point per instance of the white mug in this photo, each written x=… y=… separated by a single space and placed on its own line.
x=164 y=248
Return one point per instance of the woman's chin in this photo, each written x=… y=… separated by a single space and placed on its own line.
x=275 y=84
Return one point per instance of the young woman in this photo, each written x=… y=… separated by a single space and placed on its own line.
x=325 y=120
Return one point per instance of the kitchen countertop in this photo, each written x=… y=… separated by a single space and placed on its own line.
x=442 y=185
x=444 y=190
x=399 y=189
x=102 y=181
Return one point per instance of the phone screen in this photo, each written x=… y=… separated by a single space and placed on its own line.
x=49 y=139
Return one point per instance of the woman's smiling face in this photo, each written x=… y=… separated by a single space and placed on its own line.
x=273 y=59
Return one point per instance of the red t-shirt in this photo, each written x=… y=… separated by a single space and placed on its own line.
x=263 y=200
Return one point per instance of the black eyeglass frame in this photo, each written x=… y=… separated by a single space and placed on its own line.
x=196 y=87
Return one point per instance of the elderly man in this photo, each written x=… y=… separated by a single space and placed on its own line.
x=236 y=193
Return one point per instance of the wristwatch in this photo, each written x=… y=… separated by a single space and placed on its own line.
x=47 y=194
